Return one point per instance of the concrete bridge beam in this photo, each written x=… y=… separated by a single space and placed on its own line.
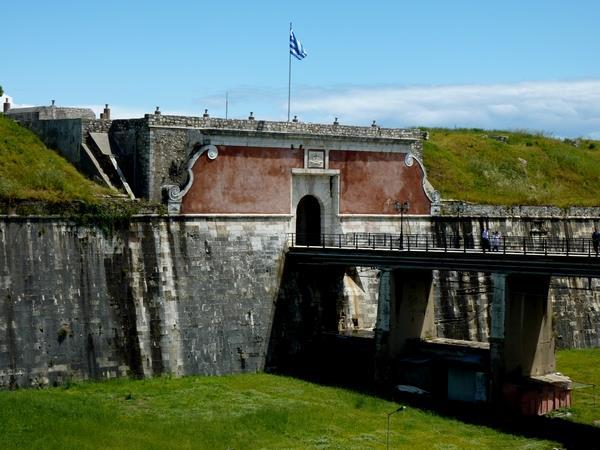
x=405 y=311
x=522 y=354
x=522 y=338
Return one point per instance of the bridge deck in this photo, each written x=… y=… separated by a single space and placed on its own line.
x=570 y=258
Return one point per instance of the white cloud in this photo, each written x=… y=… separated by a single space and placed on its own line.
x=563 y=108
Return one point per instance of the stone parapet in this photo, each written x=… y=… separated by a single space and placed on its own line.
x=293 y=128
x=50 y=113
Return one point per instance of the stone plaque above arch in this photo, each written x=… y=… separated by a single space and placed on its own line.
x=315 y=159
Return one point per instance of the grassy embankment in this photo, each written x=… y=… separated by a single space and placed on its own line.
x=247 y=411
x=36 y=180
x=29 y=171
x=529 y=169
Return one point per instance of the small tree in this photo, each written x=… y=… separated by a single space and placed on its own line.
x=1 y=91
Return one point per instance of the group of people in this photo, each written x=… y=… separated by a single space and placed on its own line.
x=490 y=241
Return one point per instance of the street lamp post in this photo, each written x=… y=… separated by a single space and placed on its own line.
x=401 y=207
x=387 y=440
x=459 y=208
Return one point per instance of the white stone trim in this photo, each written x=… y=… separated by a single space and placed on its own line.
x=236 y=215
x=430 y=192
x=380 y=216
x=174 y=192
x=317 y=172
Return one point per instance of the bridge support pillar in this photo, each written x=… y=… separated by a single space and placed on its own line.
x=405 y=311
x=522 y=353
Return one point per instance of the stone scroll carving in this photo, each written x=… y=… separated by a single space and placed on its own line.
x=172 y=193
x=433 y=195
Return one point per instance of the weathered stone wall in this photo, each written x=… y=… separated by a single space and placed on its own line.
x=458 y=208
x=63 y=136
x=176 y=297
x=195 y=295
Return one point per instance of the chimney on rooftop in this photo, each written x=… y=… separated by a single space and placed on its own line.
x=205 y=115
x=52 y=103
x=251 y=116
x=106 y=114
x=157 y=112
x=6 y=105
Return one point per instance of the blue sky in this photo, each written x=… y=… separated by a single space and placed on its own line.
x=525 y=64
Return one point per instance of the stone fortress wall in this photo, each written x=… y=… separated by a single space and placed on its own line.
x=162 y=297
x=196 y=295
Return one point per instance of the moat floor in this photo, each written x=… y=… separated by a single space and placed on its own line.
x=262 y=411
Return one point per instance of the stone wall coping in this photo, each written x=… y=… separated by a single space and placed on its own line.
x=343 y=217
x=53 y=112
x=216 y=125
x=284 y=218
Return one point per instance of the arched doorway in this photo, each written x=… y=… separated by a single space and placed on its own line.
x=308 y=221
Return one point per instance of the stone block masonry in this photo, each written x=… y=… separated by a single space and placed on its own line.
x=195 y=295
x=174 y=297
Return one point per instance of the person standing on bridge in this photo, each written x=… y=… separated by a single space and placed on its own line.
x=596 y=240
x=485 y=239
x=496 y=241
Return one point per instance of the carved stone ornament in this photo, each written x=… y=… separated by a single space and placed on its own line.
x=316 y=159
x=175 y=193
x=433 y=195
x=212 y=152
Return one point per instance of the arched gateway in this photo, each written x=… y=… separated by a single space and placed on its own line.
x=308 y=221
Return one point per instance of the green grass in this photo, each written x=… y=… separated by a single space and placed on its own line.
x=241 y=412
x=529 y=169
x=583 y=366
x=247 y=412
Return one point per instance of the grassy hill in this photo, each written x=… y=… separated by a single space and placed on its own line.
x=528 y=169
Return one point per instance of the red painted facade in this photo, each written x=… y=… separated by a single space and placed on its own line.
x=371 y=182
x=243 y=180
x=257 y=180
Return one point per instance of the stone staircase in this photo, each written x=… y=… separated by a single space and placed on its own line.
x=99 y=150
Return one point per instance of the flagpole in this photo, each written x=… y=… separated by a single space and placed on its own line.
x=289 y=74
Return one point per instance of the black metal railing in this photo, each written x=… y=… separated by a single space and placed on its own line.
x=447 y=243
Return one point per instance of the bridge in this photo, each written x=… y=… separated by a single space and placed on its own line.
x=516 y=367
x=565 y=257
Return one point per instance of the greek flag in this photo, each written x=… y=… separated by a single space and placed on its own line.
x=296 y=48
